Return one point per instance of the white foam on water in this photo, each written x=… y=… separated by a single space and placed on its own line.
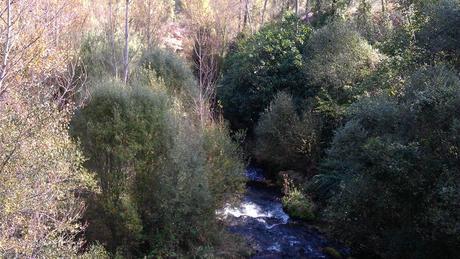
x=248 y=209
x=254 y=210
x=275 y=248
x=262 y=221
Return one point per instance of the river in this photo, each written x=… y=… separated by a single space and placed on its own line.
x=261 y=220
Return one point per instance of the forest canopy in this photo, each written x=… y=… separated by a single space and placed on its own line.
x=126 y=126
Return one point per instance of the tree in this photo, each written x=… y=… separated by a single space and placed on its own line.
x=7 y=46
x=394 y=168
x=162 y=175
x=149 y=18
x=440 y=34
x=207 y=67
x=262 y=65
x=126 y=51
x=287 y=148
x=42 y=183
x=338 y=59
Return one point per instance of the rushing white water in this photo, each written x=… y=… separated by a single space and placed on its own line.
x=257 y=211
x=260 y=218
x=248 y=209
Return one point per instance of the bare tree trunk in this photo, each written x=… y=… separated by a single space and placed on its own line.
x=7 y=47
x=246 y=14
x=207 y=67
x=250 y=7
x=149 y=21
x=263 y=12
x=126 y=56
x=383 y=6
x=297 y=7
x=239 y=17
x=112 y=40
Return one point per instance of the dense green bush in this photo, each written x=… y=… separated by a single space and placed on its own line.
x=262 y=65
x=298 y=205
x=440 y=34
x=285 y=139
x=161 y=180
x=174 y=71
x=295 y=201
x=112 y=129
x=224 y=158
x=337 y=59
x=394 y=170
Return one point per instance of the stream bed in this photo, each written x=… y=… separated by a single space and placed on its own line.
x=261 y=220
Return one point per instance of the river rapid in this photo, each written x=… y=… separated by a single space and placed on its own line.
x=261 y=220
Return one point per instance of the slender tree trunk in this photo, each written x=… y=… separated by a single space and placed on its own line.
x=6 y=47
x=239 y=16
x=112 y=40
x=383 y=6
x=246 y=13
x=297 y=7
x=126 y=56
x=250 y=7
x=263 y=12
x=149 y=21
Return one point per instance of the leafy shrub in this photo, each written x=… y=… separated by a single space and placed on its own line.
x=395 y=164
x=174 y=72
x=95 y=251
x=440 y=34
x=224 y=163
x=113 y=128
x=296 y=203
x=338 y=58
x=161 y=181
x=262 y=65
x=285 y=139
x=41 y=183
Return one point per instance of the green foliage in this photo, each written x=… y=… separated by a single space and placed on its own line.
x=286 y=140
x=41 y=182
x=161 y=180
x=101 y=58
x=95 y=252
x=113 y=128
x=374 y=27
x=224 y=163
x=262 y=65
x=395 y=165
x=174 y=72
x=440 y=34
x=296 y=203
x=338 y=58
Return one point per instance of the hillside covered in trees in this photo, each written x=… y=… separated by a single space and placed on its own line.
x=127 y=127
